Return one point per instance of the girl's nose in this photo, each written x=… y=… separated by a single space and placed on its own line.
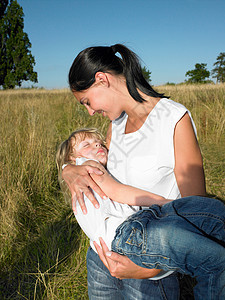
x=97 y=145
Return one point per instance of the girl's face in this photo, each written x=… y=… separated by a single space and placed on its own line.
x=99 y=98
x=92 y=148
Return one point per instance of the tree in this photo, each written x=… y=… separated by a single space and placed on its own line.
x=219 y=71
x=146 y=74
x=16 y=62
x=3 y=5
x=199 y=74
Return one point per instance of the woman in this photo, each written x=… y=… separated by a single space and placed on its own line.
x=152 y=146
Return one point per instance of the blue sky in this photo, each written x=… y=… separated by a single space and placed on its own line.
x=170 y=36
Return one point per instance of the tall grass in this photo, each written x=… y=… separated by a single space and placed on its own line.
x=42 y=249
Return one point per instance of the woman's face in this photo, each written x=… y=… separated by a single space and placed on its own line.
x=99 y=98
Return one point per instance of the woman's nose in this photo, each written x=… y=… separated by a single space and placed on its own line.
x=90 y=111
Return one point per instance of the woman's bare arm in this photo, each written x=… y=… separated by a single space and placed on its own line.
x=188 y=159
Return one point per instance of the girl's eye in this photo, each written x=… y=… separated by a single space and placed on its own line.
x=85 y=145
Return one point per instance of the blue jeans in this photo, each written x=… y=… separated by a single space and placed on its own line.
x=186 y=235
x=101 y=285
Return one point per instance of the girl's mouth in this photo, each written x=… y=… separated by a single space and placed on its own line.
x=100 y=151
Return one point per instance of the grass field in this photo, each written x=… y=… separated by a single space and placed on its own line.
x=42 y=249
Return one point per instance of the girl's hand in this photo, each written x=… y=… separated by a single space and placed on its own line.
x=79 y=181
x=121 y=266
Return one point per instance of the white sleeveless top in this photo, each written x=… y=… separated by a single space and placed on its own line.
x=145 y=158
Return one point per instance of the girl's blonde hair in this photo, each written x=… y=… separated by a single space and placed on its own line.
x=66 y=150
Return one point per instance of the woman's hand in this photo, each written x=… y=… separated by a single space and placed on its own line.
x=121 y=266
x=79 y=181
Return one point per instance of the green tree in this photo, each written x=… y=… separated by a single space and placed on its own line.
x=199 y=74
x=146 y=74
x=16 y=62
x=3 y=5
x=219 y=71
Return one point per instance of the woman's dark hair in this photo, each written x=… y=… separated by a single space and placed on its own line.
x=103 y=59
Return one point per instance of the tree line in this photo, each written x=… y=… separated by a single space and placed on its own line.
x=200 y=74
x=17 y=63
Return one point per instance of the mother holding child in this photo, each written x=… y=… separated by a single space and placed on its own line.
x=154 y=156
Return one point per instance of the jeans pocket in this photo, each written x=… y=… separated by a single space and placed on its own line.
x=135 y=238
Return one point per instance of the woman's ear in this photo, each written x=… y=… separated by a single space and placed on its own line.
x=102 y=78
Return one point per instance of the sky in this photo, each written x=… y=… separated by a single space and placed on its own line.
x=169 y=36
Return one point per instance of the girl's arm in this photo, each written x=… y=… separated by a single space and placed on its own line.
x=188 y=160
x=121 y=192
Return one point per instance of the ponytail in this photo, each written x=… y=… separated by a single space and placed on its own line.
x=104 y=59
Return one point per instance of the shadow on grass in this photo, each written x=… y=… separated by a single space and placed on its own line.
x=54 y=245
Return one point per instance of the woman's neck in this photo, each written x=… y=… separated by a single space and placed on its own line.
x=138 y=112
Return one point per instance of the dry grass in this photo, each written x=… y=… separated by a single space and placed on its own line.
x=42 y=250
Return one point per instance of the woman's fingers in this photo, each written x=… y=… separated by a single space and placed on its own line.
x=109 y=258
x=74 y=201
x=104 y=246
x=95 y=168
x=92 y=183
x=79 y=182
x=101 y=255
x=80 y=200
x=120 y=266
